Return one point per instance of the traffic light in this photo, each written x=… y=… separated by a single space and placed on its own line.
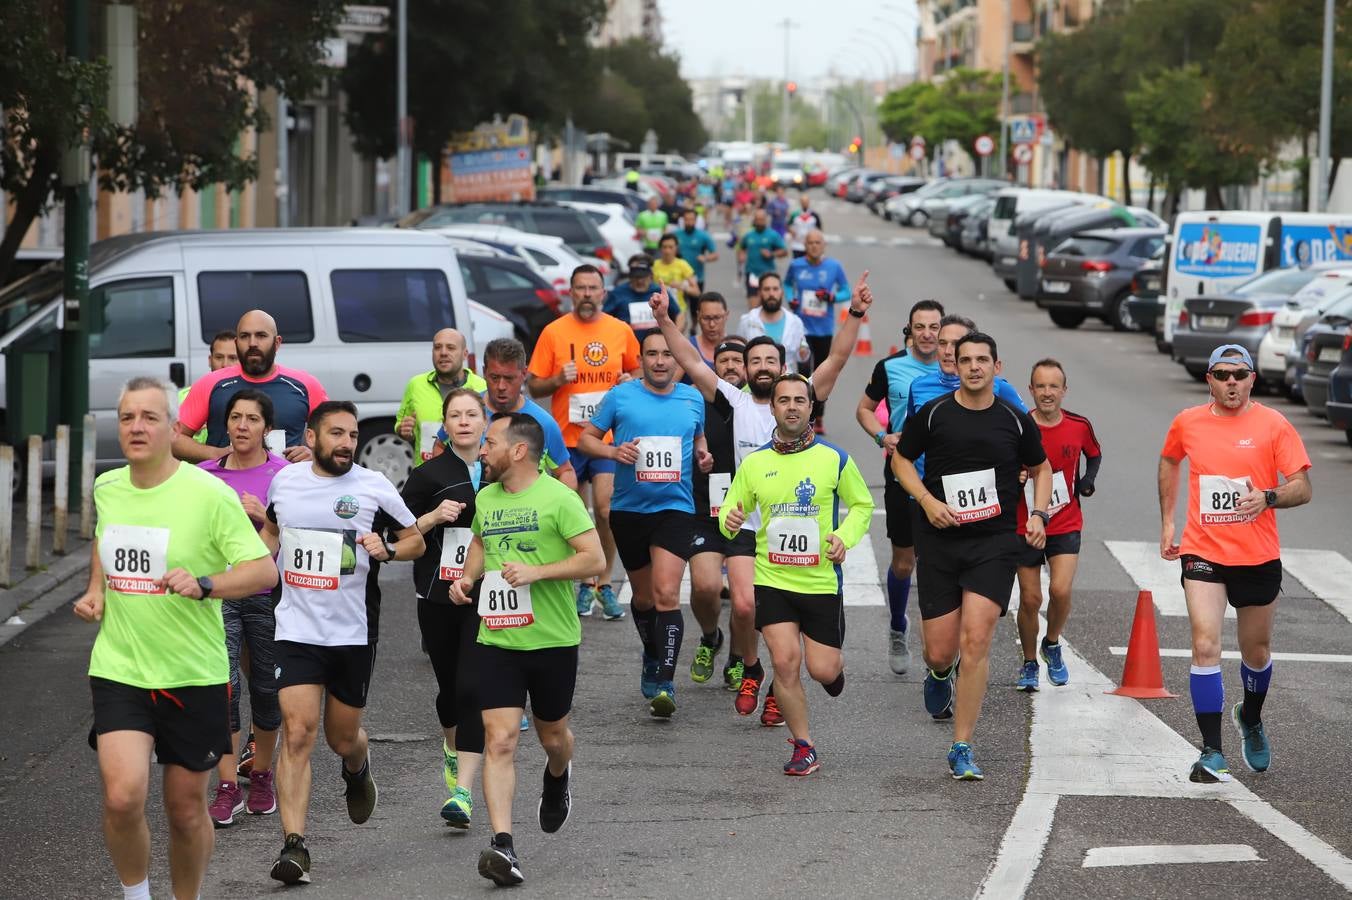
x=792 y=88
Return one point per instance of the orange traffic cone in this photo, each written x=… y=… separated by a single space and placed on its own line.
x=1142 y=674
x=863 y=346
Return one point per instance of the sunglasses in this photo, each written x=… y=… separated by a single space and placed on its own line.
x=1227 y=374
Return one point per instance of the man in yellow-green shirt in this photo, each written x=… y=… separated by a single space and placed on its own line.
x=419 y=414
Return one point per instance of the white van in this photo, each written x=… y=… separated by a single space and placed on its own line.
x=355 y=307
x=1011 y=202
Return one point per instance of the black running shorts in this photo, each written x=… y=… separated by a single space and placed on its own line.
x=900 y=507
x=507 y=677
x=706 y=537
x=1057 y=545
x=637 y=533
x=947 y=566
x=345 y=672
x=1244 y=585
x=190 y=725
x=820 y=617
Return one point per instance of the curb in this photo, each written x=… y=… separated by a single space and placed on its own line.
x=39 y=595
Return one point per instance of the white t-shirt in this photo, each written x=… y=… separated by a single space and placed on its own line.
x=753 y=424
x=326 y=601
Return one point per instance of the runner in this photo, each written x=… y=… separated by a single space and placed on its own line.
x=650 y=224
x=770 y=317
x=891 y=382
x=441 y=494
x=952 y=328
x=801 y=224
x=975 y=445
x=295 y=395
x=711 y=311
x=697 y=245
x=220 y=354
x=505 y=362
x=628 y=301
x=532 y=539
x=1230 y=551
x=798 y=484
x=753 y=425
x=814 y=284
x=777 y=207
x=419 y=414
x=1065 y=437
x=577 y=358
x=249 y=469
x=677 y=273
x=170 y=542
x=659 y=439
x=757 y=251
x=327 y=521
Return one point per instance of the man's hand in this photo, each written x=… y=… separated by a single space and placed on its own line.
x=182 y=582
x=863 y=295
x=1036 y=532
x=890 y=442
x=375 y=546
x=299 y=453
x=1023 y=476
x=90 y=606
x=736 y=517
x=253 y=508
x=519 y=574
x=569 y=372
x=835 y=549
x=657 y=302
x=459 y=591
x=939 y=513
x=447 y=511
x=767 y=253
x=1252 y=504
x=406 y=426
x=705 y=460
x=1168 y=549
x=627 y=453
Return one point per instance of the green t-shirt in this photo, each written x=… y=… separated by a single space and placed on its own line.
x=801 y=497
x=652 y=224
x=533 y=527
x=423 y=399
x=193 y=520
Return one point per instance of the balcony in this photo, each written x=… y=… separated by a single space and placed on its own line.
x=1022 y=38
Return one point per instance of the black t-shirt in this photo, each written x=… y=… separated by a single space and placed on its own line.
x=718 y=435
x=981 y=452
x=444 y=477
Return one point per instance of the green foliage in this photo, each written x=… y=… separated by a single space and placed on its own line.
x=902 y=113
x=1083 y=77
x=965 y=106
x=655 y=77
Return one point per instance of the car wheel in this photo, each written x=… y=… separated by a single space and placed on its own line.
x=1011 y=284
x=918 y=219
x=1119 y=317
x=379 y=448
x=1197 y=372
x=1348 y=435
x=1066 y=318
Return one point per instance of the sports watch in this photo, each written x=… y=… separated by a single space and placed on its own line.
x=206 y=584
x=1270 y=497
x=390 y=551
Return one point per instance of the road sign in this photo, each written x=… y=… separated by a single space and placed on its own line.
x=1023 y=130
x=984 y=145
x=1023 y=153
x=917 y=152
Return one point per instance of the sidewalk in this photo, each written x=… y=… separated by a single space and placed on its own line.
x=34 y=593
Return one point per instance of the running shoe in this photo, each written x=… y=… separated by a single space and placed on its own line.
x=961 y=765
x=1028 y=676
x=702 y=669
x=647 y=677
x=771 y=717
x=748 y=697
x=556 y=803
x=610 y=607
x=499 y=865
x=456 y=810
x=246 y=758
x=293 y=863
x=1209 y=768
x=898 y=652
x=663 y=705
x=360 y=792
x=450 y=766
x=939 y=694
x=228 y=803
x=732 y=676
x=525 y=722
x=1257 y=750
x=586 y=598
x=1057 y=673
x=804 y=760
x=262 y=796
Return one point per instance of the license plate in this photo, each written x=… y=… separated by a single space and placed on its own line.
x=1330 y=354
x=1056 y=287
x=1152 y=284
x=1217 y=322
x=1008 y=261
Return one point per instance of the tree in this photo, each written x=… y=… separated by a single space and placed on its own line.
x=201 y=68
x=961 y=109
x=902 y=113
x=656 y=76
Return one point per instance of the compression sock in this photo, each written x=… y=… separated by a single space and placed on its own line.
x=136 y=891
x=898 y=590
x=835 y=687
x=670 y=630
x=1255 y=691
x=645 y=621
x=1208 y=699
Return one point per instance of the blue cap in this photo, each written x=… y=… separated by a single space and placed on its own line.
x=1218 y=355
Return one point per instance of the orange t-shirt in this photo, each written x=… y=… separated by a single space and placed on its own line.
x=1225 y=455
x=603 y=349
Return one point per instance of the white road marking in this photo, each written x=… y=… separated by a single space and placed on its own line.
x=1326 y=574
x=1174 y=653
x=1168 y=854
x=1142 y=562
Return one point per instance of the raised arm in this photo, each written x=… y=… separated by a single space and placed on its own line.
x=684 y=352
x=825 y=375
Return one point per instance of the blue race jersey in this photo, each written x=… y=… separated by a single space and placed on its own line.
x=802 y=284
x=938 y=383
x=622 y=295
x=665 y=426
x=692 y=244
x=753 y=242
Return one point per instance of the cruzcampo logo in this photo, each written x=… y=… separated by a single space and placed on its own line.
x=346 y=506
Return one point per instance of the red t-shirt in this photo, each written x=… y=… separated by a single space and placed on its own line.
x=1225 y=455
x=1063 y=442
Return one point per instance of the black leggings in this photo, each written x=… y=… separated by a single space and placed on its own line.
x=449 y=634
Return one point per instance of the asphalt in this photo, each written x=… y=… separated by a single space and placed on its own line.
x=698 y=806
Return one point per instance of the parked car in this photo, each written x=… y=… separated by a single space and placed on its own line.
x=1145 y=304
x=1011 y=245
x=837 y=177
x=1297 y=359
x=1090 y=272
x=616 y=223
x=590 y=193
x=1238 y=316
x=1327 y=338
x=854 y=191
x=1302 y=309
x=787 y=171
x=974 y=240
x=884 y=189
x=918 y=207
x=514 y=290
x=947 y=217
x=1339 y=403
x=547 y=255
x=1050 y=230
x=576 y=228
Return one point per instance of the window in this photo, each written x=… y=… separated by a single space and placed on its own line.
x=391 y=304
x=470 y=277
x=569 y=227
x=1086 y=246
x=223 y=297
x=502 y=278
x=541 y=258
x=138 y=319
x=598 y=217
x=1147 y=247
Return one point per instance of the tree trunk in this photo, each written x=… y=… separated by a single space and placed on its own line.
x=1150 y=198
x=1126 y=179
x=27 y=205
x=1213 y=196
x=1306 y=170
x=1334 y=160
x=436 y=179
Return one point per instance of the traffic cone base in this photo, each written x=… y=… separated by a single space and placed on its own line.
x=863 y=346
x=1142 y=673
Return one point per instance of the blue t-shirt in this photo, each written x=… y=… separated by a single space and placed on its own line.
x=691 y=245
x=802 y=280
x=938 y=383
x=753 y=242
x=778 y=210
x=662 y=479
x=775 y=329
x=556 y=451
x=621 y=295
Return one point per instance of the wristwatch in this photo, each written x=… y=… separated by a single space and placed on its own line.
x=206 y=585
x=857 y=313
x=1041 y=514
x=1270 y=497
x=878 y=438
x=389 y=551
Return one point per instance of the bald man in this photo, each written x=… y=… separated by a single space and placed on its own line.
x=293 y=393
x=420 y=412
x=813 y=285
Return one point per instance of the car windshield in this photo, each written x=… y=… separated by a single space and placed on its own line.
x=1276 y=281
x=1319 y=290
x=1086 y=246
x=23 y=297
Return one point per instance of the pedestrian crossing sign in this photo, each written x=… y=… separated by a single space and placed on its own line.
x=1023 y=130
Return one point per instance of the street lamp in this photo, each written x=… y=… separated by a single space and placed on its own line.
x=886 y=47
x=908 y=38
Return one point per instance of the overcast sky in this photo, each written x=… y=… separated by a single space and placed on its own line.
x=863 y=38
